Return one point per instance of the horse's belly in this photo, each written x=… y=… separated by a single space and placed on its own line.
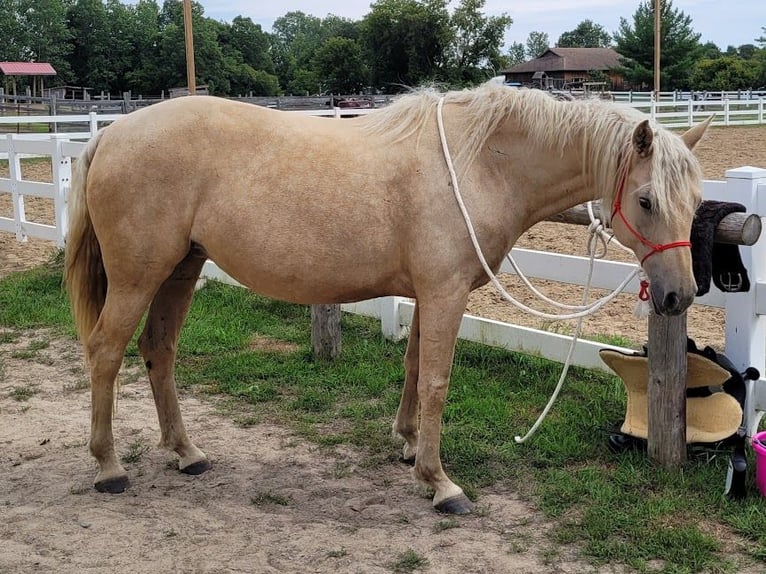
x=318 y=281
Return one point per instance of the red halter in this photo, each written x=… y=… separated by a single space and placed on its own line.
x=655 y=248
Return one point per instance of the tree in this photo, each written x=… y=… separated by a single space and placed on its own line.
x=724 y=73
x=517 y=54
x=340 y=64
x=680 y=46
x=15 y=46
x=405 y=41
x=587 y=34
x=537 y=44
x=474 y=50
x=710 y=50
x=296 y=39
x=143 y=78
x=746 y=51
x=251 y=42
x=36 y=30
x=102 y=48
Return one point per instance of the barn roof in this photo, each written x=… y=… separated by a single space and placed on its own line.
x=27 y=69
x=570 y=60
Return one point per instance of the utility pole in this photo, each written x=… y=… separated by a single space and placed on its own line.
x=189 y=36
x=657 y=46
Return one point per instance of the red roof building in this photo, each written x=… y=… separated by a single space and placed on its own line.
x=35 y=69
x=27 y=69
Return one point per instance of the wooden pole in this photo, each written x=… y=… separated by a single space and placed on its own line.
x=666 y=392
x=735 y=228
x=189 y=36
x=325 y=331
x=657 y=46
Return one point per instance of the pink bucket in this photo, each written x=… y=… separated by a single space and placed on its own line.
x=759 y=446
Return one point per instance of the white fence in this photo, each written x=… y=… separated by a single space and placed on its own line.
x=745 y=328
x=672 y=113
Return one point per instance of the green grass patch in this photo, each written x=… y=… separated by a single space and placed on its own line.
x=409 y=561
x=266 y=498
x=617 y=509
x=23 y=393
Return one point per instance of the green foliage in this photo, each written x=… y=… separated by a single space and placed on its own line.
x=537 y=43
x=473 y=53
x=724 y=73
x=587 y=34
x=405 y=42
x=680 y=47
x=517 y=54
x=340 y=64
x=36 y=30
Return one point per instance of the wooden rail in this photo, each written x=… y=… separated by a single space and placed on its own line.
x=735 y=228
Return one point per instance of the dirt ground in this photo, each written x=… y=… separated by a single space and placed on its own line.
x=272 y=502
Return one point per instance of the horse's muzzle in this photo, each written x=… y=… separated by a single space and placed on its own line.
x=671 y=302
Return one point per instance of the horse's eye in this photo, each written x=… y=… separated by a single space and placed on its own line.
x=645 y=203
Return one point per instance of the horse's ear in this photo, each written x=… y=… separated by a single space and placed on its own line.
x=642 y=139
x=693 y=135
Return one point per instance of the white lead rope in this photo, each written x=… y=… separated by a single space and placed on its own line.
x=583 y=310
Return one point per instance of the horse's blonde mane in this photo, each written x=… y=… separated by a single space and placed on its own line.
x=602 y=129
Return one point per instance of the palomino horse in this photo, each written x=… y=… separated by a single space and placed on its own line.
x=312 y=210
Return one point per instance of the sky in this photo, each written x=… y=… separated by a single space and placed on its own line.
x=723 y=22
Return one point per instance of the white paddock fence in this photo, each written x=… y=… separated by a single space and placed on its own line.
x=745 y=327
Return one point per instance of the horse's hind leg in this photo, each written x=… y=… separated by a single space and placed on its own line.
x=116 y=324
x=406 y=423
x=158 y=344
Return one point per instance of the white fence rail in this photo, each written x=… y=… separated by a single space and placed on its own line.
x=745 y=328
x=739 y=109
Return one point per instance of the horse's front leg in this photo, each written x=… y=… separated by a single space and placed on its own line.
x=439 y=323
x=406 y=423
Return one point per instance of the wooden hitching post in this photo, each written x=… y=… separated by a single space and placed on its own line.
x=325 y=331
x=667 y=390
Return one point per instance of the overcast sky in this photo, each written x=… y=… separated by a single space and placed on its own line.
x=724 y=22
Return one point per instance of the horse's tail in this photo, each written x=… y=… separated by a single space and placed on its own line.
x=84 y=273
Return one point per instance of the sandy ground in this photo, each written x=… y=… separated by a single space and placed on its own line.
x=272 y=502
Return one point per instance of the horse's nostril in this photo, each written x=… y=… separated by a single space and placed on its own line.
x=672 y=301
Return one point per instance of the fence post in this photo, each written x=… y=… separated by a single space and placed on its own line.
x=745 y=329
x=760 y=110
x=390 y=326
x=726 y=112
x=62 y=175
x=667 y=390
x=14 y=169
x=93 y=123
x=691 y=112
x=325 y=331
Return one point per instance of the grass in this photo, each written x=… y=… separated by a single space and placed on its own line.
x=617 y=509
x=136 y=451
x=23 y=393
x=409 y=561
x=266 y=498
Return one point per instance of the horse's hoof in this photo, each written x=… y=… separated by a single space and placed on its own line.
x=455 y=505
x=196 y=468
x=114 y=485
